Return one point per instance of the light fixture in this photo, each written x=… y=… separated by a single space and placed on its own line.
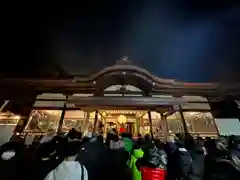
x=122 y=119
x=124 y=58
x=104 y=114
x=192 y=113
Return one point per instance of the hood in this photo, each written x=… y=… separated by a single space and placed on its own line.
x=112 y=137
x=179 y=144
x=12 y=150
x=199 y=149
x=236 y=162
x=128 y=144
x=171 y=138
x=46 y=139
x=138 y=153
x=67 y=170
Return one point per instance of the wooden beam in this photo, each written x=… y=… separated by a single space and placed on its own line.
x=73 y=86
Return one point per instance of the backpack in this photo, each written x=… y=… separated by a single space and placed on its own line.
x=183 y=162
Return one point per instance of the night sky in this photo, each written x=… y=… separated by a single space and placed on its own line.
x=176 y=39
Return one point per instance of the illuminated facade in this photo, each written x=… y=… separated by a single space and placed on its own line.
x=195 y=121
x=122 y=95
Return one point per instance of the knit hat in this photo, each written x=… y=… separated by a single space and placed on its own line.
x=128 y=144
x=72 y=148
x=7 y=155
x=47 y=151
x=171 y=138
x=11 y=150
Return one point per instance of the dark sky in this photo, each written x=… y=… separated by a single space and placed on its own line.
x=177 y=39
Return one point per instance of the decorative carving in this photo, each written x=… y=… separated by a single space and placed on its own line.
x=123 y=88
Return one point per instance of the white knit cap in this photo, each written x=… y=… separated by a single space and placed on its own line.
x=171 y=138
x=8 y=155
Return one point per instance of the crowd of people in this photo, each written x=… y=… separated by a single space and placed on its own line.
x=120 y=156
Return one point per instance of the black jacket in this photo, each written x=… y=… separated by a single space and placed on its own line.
x=198 y=157
x=15 y=167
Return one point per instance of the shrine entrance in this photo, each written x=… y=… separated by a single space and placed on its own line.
x=127 y=98
x=122 y=120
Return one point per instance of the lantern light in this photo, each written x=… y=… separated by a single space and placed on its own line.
x=122 y=119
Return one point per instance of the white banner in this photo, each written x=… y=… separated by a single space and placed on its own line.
x=228 y=126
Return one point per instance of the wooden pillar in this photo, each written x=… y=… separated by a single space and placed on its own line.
x=183 y=119
x=141 y=124
x=150 y=122
x=4 y=105
x=165 y=126
x=60 y=124
x=137 y=125
x=85 y=123
x=215 y=125
x=95 y=121
x=79 y=124
x=25 y=112
x=22 y=123
x=105 y=127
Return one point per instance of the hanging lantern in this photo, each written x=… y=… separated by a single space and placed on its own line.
x=104 y=114
x=122 y=119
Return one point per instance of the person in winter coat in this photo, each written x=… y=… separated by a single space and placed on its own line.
x=153 y=157
x=69 y=169
x=210 y=157
x=13 y=161
x=128 y=142
x=153 y=162
x=225 y=162
x=96 y=158
x=197 y=154
x=48 y=156
x=221 y=148
x=200 y=142
x=102 y=162
x=112 y=137
x=136 y=154
x=170 y=146
x=173 y=148
x=234 y=153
